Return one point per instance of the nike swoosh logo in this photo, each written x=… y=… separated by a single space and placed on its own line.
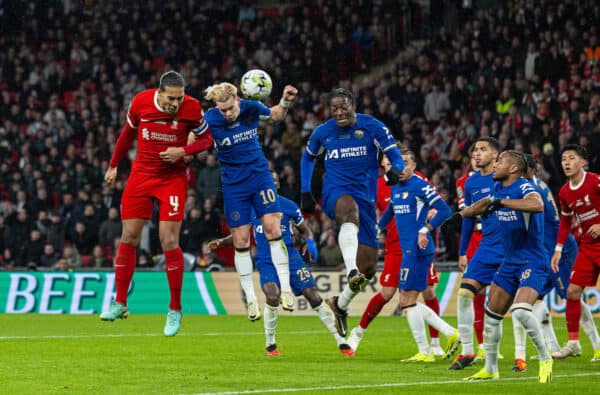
x=171 y=213
x=145 y=120
x=120 y=265
x=387 y=199
x=172 y=268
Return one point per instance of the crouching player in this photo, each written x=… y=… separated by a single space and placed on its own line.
x=301 y=279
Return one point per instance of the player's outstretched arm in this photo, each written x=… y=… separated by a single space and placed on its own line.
x=279 y=111
x=531 y=203
x=476 y=208
x=394 y=174
x=309 y=251
x=226 y=241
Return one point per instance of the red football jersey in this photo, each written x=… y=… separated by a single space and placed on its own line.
x=460 y=190
x=582 y=201
x=384 y=192
x=158 y=130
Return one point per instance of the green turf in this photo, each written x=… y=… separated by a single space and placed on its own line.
x=43 y=354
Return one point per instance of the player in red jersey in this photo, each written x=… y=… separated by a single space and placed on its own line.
x=391 y=270
x=479 y=299
x=160 y=118
x=579 y=202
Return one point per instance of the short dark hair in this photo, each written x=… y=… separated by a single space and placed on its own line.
x=341 y=92
x=171 y=78
x=519 y=160
x=530 y=160
x=409 y=152
x=491 y=141
x=579 y=150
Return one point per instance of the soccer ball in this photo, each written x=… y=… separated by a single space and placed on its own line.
x=256 y=84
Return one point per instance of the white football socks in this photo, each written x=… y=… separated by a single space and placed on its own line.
x=270 y=323
x=280 y=259
x=465 y=318
x=328 y=318
x=243 y=266
x=348 y=242
x=417 y=327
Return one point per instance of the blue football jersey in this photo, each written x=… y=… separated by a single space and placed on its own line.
x=291 y=216
x=522 y=233
x=410 y=201
x=551 y=218
x=238 y=149
x=351 y=154
x=478 y=187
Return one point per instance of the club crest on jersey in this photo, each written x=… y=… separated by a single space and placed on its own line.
x=174 y=124
x=145 y=134
x=359 y=134
x=586 y=199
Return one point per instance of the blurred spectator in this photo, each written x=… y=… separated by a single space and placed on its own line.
x=110 y=229
x=82 y=238
x=208 y=179
x=98 y=258
x=207 y=260
x=330 y=254
x=49 y=257
x=32 y=250
x=71 y=257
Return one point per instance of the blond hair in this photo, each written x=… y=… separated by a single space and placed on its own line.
x=221 y=92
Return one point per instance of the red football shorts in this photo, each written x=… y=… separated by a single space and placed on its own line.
x=391 y=271
x=476 y=237
x=142 y=190
x=587 y=265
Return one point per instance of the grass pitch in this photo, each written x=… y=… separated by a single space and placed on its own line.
x=66 y=354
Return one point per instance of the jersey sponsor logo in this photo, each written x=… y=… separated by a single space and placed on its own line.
x=333 y=154
x=150 y=135
x=225 y=142
x=401 y=209
x=359 y=134
x=587 y=215
x=507 y=216
x=349 y=152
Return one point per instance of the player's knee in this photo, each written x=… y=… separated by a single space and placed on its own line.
x=271 y=291
x=169 y=242
x=346 y=210
x=272 y=232
x=130 y=238
x=521 y=311
x=467 y=292
x=312 y=296
x=574 y=293
x=429 y=294
x=387 y=293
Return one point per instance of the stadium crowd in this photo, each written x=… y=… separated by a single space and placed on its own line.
x=524 y=72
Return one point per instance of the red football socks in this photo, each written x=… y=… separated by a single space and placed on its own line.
x=174 y=269
x=478 y=323
x=124 y=268
x=573 y=315
x=373 y=308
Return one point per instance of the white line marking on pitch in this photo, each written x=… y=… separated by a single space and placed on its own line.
x=33 y=337
x=386 y=385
